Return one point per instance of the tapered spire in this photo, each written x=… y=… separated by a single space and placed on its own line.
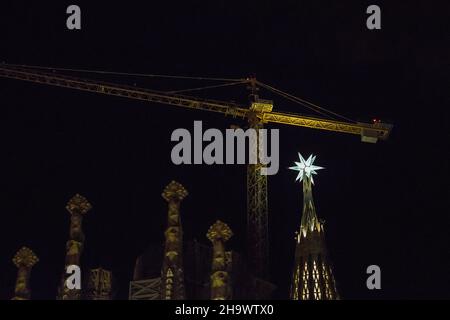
x=218 y=234
x=78 y=206
x=172 y=277
x=306 y=169
x=24 y=260
x=312 y=275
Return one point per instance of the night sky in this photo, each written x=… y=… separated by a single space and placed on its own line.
x=384 y=204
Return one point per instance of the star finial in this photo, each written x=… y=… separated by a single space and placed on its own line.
x=305 y=168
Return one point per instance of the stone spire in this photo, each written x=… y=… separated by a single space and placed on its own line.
x=172 y=277
x=218 y=234
x=78 y=206
x=312 y=277
x=24 y=260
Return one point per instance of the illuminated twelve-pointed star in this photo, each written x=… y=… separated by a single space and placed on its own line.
x=305 y=168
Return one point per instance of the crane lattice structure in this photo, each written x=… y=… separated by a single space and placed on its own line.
x=258 y=113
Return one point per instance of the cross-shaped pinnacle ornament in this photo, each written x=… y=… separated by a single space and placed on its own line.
x=24 y=260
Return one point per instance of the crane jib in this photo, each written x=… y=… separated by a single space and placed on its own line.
x=262 y=110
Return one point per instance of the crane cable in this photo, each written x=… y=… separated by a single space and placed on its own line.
x=305 y=103
x=207 y=87
x=125 y=73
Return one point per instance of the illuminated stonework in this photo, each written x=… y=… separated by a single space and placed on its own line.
x=317 y=290
x=218 y=234
x=77 y=206
x=99 y=286
x=174 y=191
x=172 y=277
x=24 y=260
x=25 y=257
x=305 y=282
x=312 y=277
x=219 y=231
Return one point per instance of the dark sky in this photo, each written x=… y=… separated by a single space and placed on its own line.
x=385 y=204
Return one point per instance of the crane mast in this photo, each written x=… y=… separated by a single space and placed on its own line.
x=257 y=203
x=259 y=113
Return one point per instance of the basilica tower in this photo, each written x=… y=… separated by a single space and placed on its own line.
x=312 y=277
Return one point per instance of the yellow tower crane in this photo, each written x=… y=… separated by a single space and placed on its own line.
x=258 y=113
